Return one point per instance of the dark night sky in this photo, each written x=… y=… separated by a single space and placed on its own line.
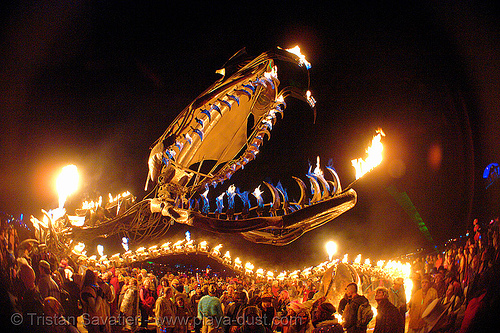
x=96 y=83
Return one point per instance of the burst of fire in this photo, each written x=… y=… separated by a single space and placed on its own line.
x=66 y=183
x=345 y=260
x=374 y=157
x=317 y=171
x=249 y=267
x=118 y=197
x=92 y=204
x=358 y=259
x=302 y=61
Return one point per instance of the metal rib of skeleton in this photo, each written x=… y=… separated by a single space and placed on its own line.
x=211 y=140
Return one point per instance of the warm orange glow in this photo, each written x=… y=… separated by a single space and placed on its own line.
x=374 y=158
x=67 y=183
x=302 y=61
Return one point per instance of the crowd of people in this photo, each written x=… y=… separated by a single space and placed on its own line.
x=455 y=290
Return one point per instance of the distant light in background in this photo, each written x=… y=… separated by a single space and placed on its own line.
x=435 y=156
x=188 y=236
x=67 y=183
x=125 y=243
x=331 y=249
x=100 y=250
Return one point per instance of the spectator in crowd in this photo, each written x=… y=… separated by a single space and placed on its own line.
x=439 y=284
x=354 y=301
x=388 y=318
x=418 y=303
x=210 y=310
x=233 y=310
x=252 y=321
x=300 y=319
x=93 y=301
x=397 y=296
x=130 y=305
x=30 y=299
x=165 y=312
x=183 y=313
x=46 y=284
x=324 y=321
x=54 y=321
x=146 y=303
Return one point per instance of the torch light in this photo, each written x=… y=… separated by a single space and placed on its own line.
x=331 y=249
x=373 y=159
x=100 y=250
x=67 y=183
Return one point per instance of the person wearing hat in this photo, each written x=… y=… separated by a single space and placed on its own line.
x=418 y=303
x=324 y=321
x=397 y=296
x=388 y=319
x=300 y=320
x=30 y=299
x=183 y=313
x=54 y=320
x=46 y=284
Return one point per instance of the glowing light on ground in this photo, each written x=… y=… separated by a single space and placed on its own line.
x=374 y=158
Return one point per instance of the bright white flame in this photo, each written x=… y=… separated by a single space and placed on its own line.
x=125 y=243
x=331 y=249
x=270 y=274
x=231 y=189
x=358 y=259
x=237 y=262
x=302 y=58
x=317 y=171
x=367 y=262
x=92 y=204
x=249 y=267
x=79 y=247
x=310 y=99
x=216 y=250
x=118 y=196
x=374 y=157
x=345 y=259
x=272 y=73
x=408 y=289
x=380 y=263
x=67 y=183
x=227 y=255
x=257 y=192
x=100 y=250
x=260 y=272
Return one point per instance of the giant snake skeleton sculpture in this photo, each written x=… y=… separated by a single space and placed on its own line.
x=206 y=144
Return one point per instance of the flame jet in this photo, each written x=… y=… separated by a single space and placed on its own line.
x=215 y=136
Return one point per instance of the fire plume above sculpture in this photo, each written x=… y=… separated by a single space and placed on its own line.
x=217 y=135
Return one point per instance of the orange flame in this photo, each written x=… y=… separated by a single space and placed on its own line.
x=374 y=157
